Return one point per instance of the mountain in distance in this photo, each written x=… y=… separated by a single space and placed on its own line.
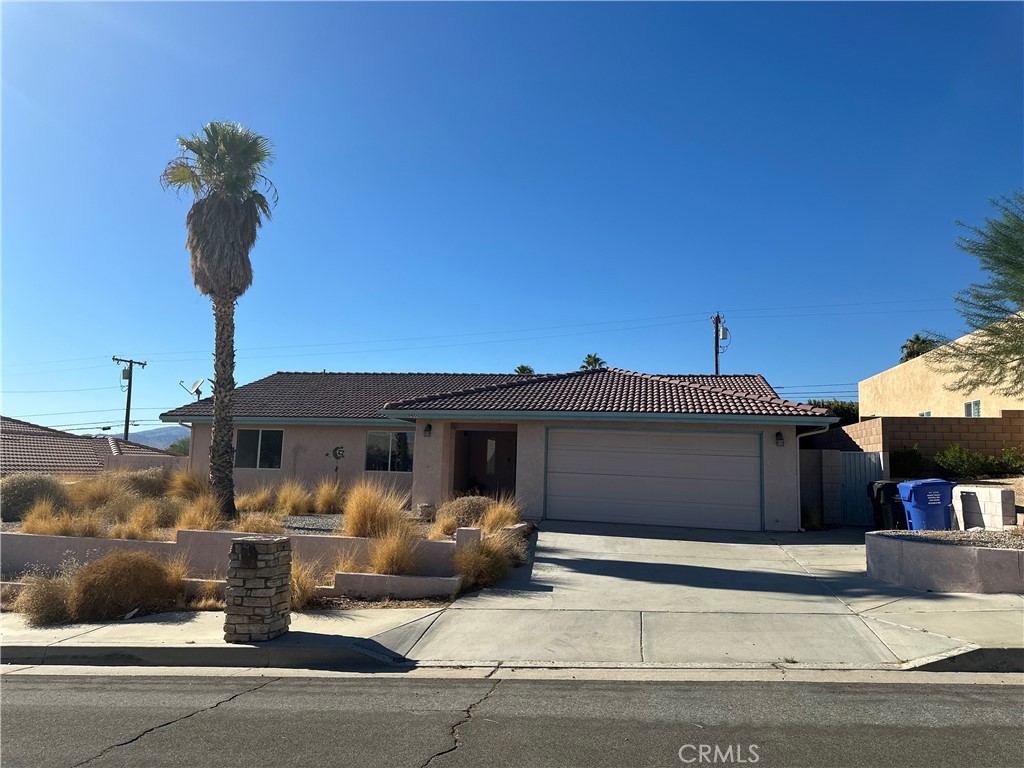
x=161 y=437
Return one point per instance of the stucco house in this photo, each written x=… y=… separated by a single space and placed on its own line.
x=598 y=445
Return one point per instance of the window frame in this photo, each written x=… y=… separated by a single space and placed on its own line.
x=972 y=409
x=925 y=414
x=259 y=448
x=391 y=433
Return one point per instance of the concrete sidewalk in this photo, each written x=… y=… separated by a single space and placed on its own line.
x=601 y=596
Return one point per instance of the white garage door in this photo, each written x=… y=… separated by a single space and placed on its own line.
x=690 y=479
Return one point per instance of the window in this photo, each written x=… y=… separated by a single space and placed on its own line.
x=972 y=409
x=258 y=448
x=389 y=451
x=925 y=413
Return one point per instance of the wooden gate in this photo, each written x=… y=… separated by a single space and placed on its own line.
x=856 y=470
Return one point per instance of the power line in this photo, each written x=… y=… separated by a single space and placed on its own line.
x=72 y=413
x=51 y=391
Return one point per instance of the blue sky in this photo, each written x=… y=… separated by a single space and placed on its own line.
x=468 y=187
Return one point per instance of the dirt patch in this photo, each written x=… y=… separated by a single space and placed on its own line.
x=1012 y=538
x=354 y=603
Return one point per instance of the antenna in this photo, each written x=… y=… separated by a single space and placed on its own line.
x=194 y=389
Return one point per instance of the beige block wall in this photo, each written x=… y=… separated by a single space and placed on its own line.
x=306 y=455
x=912 y=388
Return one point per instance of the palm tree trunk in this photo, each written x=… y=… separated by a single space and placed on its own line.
x=222 y=454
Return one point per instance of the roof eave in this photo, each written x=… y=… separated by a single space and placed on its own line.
x=314 y=422
x=495 y=415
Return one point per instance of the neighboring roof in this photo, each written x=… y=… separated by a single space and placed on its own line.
x=343 y=397
x=333 y=396
x=26 y=447
x=611 y=390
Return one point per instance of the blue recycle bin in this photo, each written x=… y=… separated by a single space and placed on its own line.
x=928 y=503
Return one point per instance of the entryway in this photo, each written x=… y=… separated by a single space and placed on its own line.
x=485 y=461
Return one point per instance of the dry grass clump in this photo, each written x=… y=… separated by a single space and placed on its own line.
x=106 y=488
x=201 y=514
x=187 y=486
x=329 y=497
x=347 y=563
x=46 y=519
x=43 y=601
x=117 y=509
x=148 y=483
x=120 y=582
x=501 y=513
x=481 y=564
x=305 y=577
x=393 y=554
x=293 y=498
x=207 y=598
x=140 y=524
x=374 y=510
x=19 y=492
x=260 y=500
x=258 y=522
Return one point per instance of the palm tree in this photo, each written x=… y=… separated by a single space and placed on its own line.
x=223 y=169
x=916 y=346
x=524 y=370
x=593 y=361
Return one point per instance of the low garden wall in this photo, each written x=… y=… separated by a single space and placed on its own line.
x=205 y=552
x=976 y=506
x=936 y=567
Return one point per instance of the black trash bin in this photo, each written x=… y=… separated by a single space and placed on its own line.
x=887 y=506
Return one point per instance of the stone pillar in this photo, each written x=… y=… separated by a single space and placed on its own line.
x=258 y=593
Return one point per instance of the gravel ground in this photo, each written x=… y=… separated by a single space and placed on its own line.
x=1005 y=539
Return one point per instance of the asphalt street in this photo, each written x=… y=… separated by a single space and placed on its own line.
x=60 y=722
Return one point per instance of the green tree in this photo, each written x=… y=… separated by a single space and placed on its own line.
x=916 y=346
x=524 y=370
x=992 y=356
x=593 y=361
x=848 y=411
x=180 y=447
x=223 y=167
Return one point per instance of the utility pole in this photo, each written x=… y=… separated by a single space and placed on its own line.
x=716 y=321
x=128 y=406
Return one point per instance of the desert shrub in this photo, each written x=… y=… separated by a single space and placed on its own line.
x=141 y=523
x=148 y=483
x=46 y=519
x=374 y=510
x=329 y=497
x=166 y=511
x=909 y=462
x=43 y=601
x=460 y=512
x=207 y=598
x=186 y=485
x=347 y=563
x=260 y=500
x=305 y=576
x=513 y=545
x=481 y=565
x=19 y=492
x=502 y=513
x=120 y=582
x=104 y=489
x=393 y=554
x=258 y=522
x=201 y=514
x=117 y=509
x=957 y=461
x=293 y=498
x=1009 y=462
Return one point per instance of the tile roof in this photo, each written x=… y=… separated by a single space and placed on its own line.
x=611 y=390
x=363 y=396
x=26 y=447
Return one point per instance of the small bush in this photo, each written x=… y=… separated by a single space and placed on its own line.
x=43 y=601
x=141 y=524
x=481 y=564
x=957 y=461
x=260 y=500
x=393 y=554
x=120 y=582
x=374 y=510
x=117 y=509
x=258 y=522
x=148 y=483
x=329 y=497
x=187 y=486
x=513 y=545
x=45 y=519
x=910 y=463
x=348 y=564
x=207 y=598
x=165 y=510
x=465 y=510
x=1009 y=462
x=201 y=514
x=293 y=499
x=106 y=488
x=502 y=513
x=19 y=492
x=305 y=577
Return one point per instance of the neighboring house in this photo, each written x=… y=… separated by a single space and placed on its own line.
x=914 y=388
x=597 y=445
x=26 y=447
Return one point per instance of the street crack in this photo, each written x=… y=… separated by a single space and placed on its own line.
x=455 y=734
x=177 y=720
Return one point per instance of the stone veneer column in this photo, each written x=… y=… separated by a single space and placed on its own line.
x=258 y=593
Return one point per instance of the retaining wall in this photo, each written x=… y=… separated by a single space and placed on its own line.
x=983 y=507
x=923 y=564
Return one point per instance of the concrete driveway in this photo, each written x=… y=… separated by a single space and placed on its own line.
x=612 y=594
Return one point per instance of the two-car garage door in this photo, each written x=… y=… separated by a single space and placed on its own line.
x=656 y=477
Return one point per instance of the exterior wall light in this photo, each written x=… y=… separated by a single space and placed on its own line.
x=427 y=430
x=779 y=439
